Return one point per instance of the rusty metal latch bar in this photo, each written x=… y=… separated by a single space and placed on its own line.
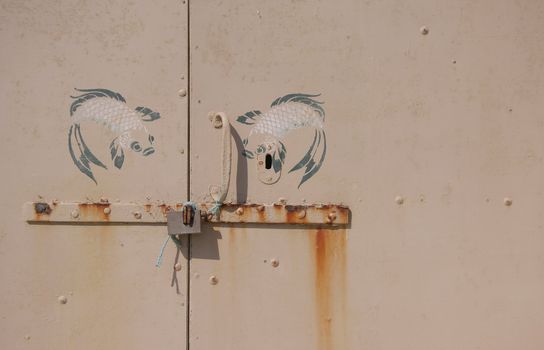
x=155 y=214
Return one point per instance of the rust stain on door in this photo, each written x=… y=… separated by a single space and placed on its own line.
x=329 y=254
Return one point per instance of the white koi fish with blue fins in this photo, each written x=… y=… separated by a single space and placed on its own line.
x=109 y=109
x=288 y=113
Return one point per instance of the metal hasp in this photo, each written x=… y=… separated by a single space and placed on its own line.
x=183 y=222
x=156 y=214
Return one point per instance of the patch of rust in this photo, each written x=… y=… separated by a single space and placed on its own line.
x=94 y=210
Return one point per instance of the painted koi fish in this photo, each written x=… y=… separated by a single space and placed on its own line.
x=288 y=113
x=109 y=109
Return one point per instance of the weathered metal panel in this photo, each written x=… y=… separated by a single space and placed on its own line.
x=90 y=287
x=435 y=142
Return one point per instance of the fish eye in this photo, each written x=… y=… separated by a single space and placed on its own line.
x=136 y=146
x=151 y=139
x=260 y=149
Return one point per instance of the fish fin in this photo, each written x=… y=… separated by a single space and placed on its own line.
x=80 y=162
x=277 y=162
x=248 y=154
x=117 y=154
x=89 y=94
x=312 y=167
x=147 y=115
x=86 y=151
x=282 y=152
x=248 y=118
x=307 y=156
x=301 y=98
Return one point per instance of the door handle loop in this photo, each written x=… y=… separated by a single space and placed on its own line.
x=219 y=193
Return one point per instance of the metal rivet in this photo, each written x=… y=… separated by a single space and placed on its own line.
x=182 y=77
x=331 y=217
x=454 y=61
x=107 y=210
x=260 y=208
x=214 y=280
x=301 y=214
x=177 y=267
x=137 y=215
x=399 y=200
x=508 y=202
x=274 y=263
x=182 y=92
x=240 y=211
x=62 y=299
x=181 y=150
x=75 y=214
x=424 y=30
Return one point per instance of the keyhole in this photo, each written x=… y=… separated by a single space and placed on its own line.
x=268 y=161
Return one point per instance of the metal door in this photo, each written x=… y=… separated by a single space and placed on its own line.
x=434 y=139
x=90 y=285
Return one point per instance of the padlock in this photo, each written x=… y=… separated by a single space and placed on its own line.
x=183 y=222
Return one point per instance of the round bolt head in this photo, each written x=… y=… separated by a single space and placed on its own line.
x=182 y=92
x=274 y=262
x=301 y=214
x=137 y=215
x=424 y=30
x=331 y=217
x=239 y=211
x=62 y=299
x=399 y=200
x=75 y=214
x=213 y=280
x=508 y=202
x=260 y=208
x=177 y=267
x=107 y=210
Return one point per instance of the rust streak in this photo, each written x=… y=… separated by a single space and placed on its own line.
x=94 y=211
x=329 y=250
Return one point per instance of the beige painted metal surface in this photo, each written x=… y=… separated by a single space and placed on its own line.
x=434 y=141
x=115 y=296
x=433 y=119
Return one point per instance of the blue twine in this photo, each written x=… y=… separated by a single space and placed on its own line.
x=215 y=209
x=159 y=258
x=174 y=238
